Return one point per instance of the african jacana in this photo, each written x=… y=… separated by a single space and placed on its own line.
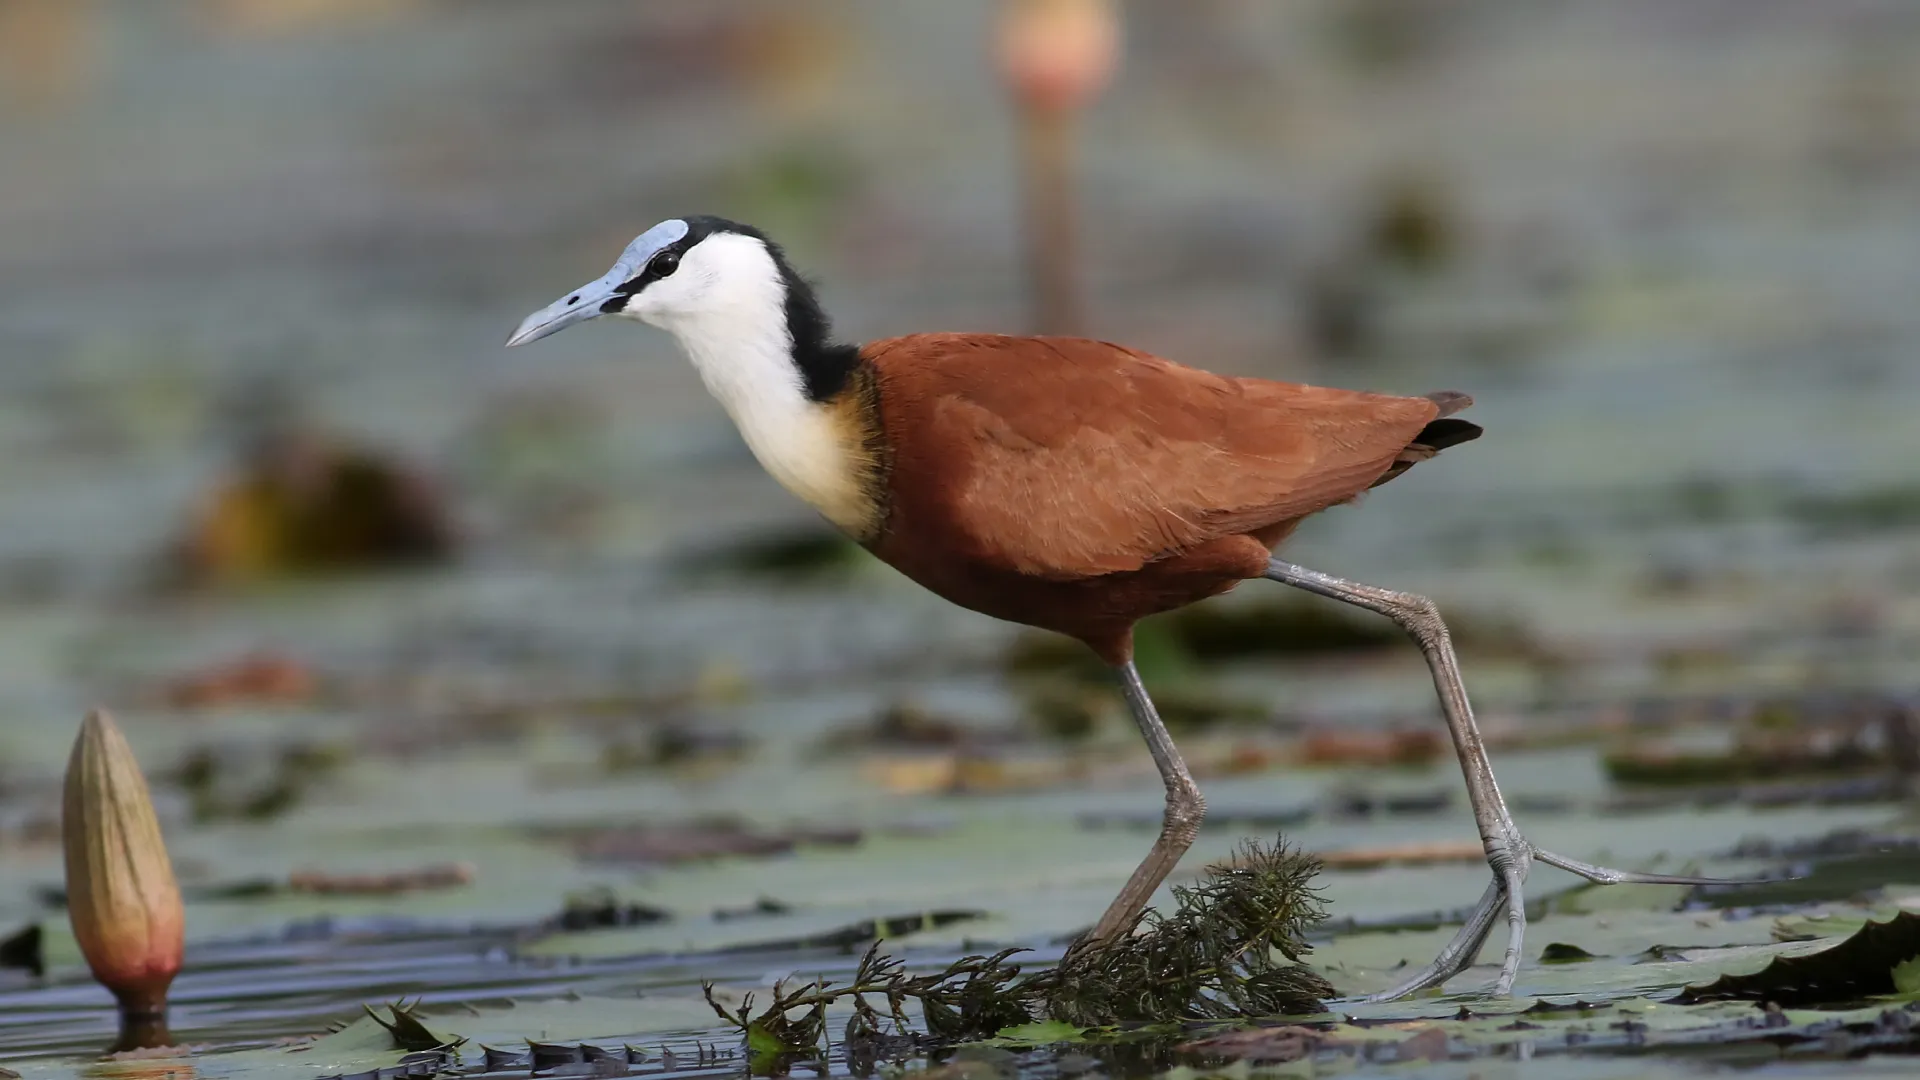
x=1062 y=483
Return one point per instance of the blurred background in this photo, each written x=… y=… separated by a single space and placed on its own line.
x=379 y=600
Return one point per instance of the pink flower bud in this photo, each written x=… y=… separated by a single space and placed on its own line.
x=1057 y=54
x=121 y=895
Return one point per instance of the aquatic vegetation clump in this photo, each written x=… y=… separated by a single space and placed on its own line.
x=1230 y=949
x=1213 y=958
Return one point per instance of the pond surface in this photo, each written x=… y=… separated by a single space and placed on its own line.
x=1677 y=273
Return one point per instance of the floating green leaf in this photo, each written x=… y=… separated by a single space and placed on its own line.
x=1906 y=976
x=1039 y=1033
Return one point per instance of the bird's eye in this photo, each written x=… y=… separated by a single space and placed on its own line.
x=664 y=263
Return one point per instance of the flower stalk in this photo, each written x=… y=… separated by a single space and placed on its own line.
x=1055 y=57
x=121 y=895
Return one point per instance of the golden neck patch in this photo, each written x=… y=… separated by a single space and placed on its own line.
x=858 y=505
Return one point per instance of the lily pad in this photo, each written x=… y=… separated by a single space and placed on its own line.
x=1860 y=967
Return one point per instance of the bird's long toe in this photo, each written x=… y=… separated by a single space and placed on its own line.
x=1509 y=857
x=1605 y=875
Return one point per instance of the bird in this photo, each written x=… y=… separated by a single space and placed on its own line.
x=1068 y=484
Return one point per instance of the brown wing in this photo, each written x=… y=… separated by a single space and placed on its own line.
x=1066 y=458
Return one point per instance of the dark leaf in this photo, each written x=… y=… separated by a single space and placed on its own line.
x=1859 y=967
x=24 y=950
x=408 y=1032
x=1559 y=952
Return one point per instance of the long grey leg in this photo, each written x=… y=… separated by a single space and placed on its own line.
x=1509 y=853
x=1185 y=808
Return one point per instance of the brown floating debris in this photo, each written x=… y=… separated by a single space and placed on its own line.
x=1447 y=851
x=261 y=677
x=1409 y=747
x=121 y=895
x=443 y=876
x=695 y=842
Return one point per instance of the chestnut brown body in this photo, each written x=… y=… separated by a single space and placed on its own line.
x=1081 y=486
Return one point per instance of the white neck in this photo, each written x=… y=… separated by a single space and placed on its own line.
x=739 y=342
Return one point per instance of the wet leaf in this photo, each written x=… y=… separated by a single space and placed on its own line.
x=1862 y=966
x=1824 y=924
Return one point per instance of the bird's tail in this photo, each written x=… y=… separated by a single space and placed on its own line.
x=1441 y=432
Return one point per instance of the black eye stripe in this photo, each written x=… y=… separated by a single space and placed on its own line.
x=661 y=265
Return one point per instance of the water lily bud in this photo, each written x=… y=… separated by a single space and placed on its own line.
x=121 y=894
x=1057 y=54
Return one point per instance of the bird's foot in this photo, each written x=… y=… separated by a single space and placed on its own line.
x=1510 y=856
